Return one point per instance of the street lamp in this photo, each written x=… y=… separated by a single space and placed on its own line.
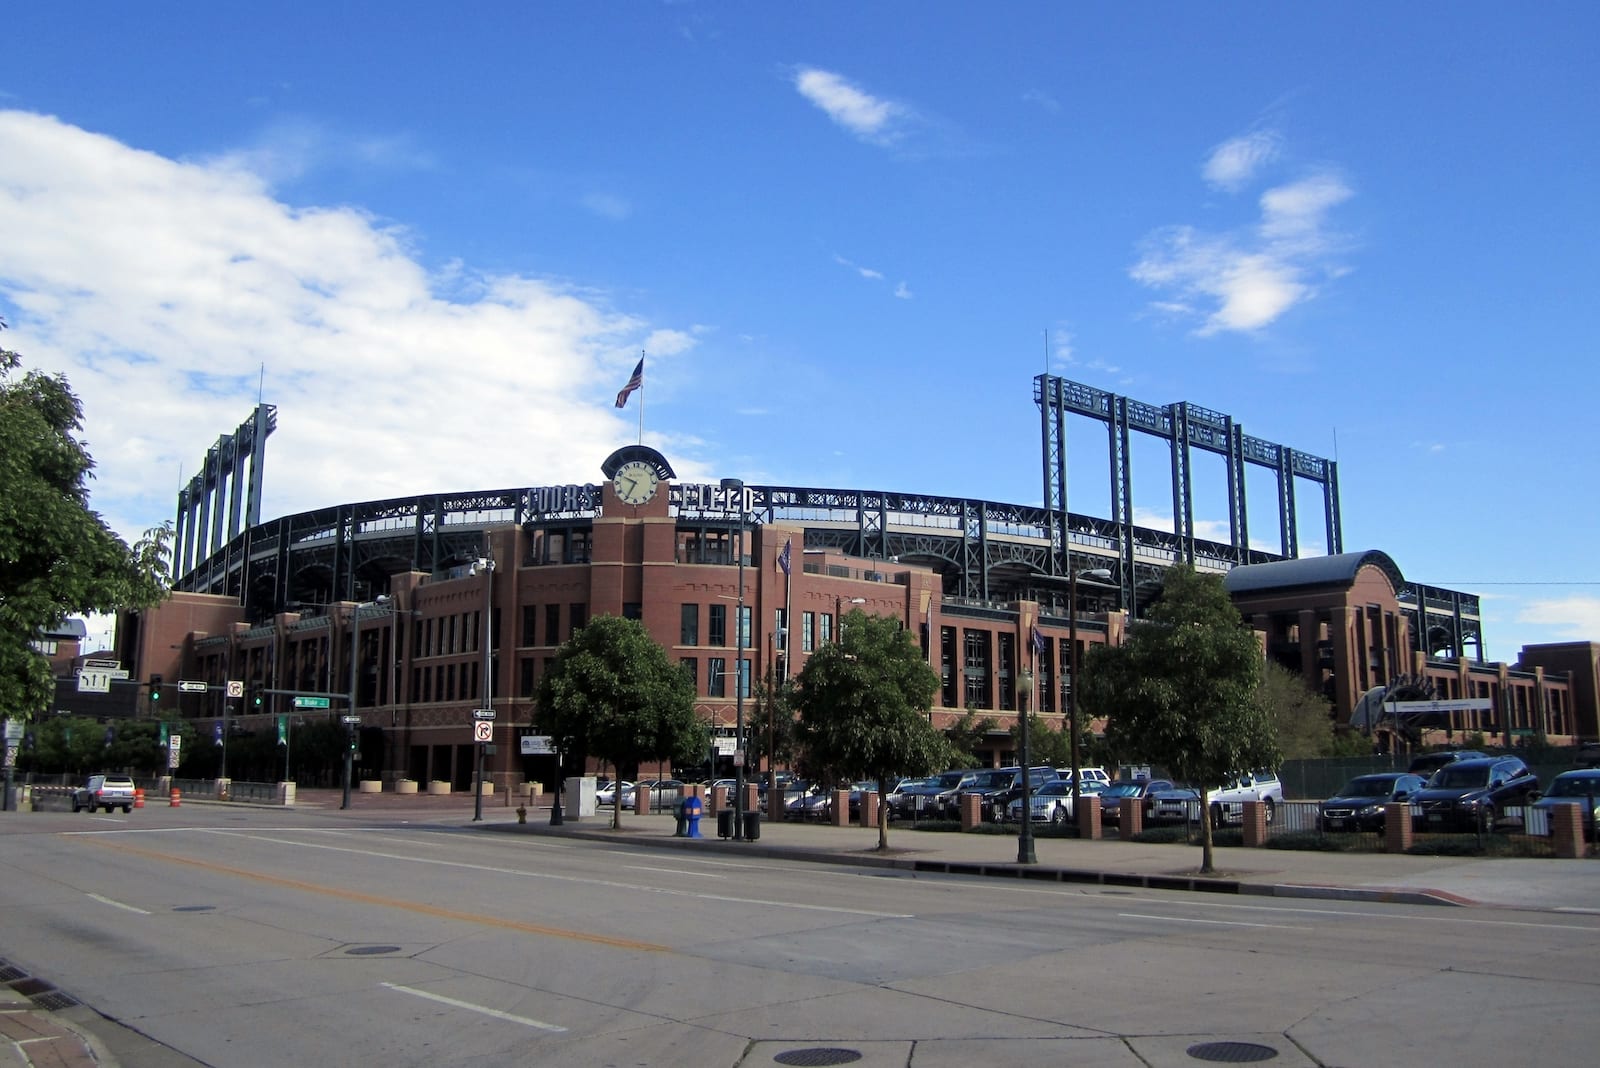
x=838 y=612
x=1025 y=854
x=485 y=566
x=736 y=486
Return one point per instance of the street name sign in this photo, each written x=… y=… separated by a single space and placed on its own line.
x=311 y=702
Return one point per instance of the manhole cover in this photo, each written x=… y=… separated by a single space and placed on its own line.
x=1232 y=1052
x=817 y=1055
x=193 y=908
x=368 y=951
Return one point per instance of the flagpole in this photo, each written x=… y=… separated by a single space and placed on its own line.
x=641 y=399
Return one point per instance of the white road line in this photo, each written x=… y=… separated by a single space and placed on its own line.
x=117 y=904
x=676 y=871
x=1215 y=923
x=470 y=1007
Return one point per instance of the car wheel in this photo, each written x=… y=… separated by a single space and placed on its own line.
x=1216 y=816
x=75 y=806
x=127 y=809
x=1271 y=807
x=1486 y=818
x=1059 y=816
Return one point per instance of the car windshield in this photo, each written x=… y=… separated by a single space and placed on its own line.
x=1122 y=789
x=1367 y=788
x=1054 y=789
x=1460 y=778
x=1577 y=786
x=989 y=779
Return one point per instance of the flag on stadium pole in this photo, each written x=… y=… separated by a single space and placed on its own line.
x=1038 y=642
x=783 y=557
x=635 y=381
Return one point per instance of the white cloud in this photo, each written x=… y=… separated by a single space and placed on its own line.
x=1235 y=162
x=608 y=206
x=1575 y=617
x=903 y=291
x=1246 y=280
x=163 y=289
x=869 y=118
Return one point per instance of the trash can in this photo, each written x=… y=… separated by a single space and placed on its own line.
x=752 y=826
x=680 y=814
x=725 y=823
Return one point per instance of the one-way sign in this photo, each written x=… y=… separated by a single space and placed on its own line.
x=191 y=687
x=483 y=713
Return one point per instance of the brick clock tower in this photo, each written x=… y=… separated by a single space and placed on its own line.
x=634 y=549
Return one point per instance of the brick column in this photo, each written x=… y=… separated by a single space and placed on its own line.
x=839 y=811
x=869 y=808
x=1088 y=816
x=1255 y=824
x=1396 y=827
x=719 y=799
x=1131 y=816
x=752 y=798
x=1566 y=831
x=641 y=799
x=971 y=811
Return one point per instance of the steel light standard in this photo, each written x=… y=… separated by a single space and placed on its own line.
x=736 y=486
x=486 y=634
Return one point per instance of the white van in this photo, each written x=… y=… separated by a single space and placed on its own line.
x=1088 y=774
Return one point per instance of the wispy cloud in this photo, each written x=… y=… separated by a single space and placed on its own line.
x=133 y=273
x=1576 y=616
x=290 y=148
x=608 y=206
x=1246 y=279
x=903 y=291
x=1235 y=162
x=871 y=119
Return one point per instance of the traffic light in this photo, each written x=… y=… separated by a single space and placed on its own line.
x=155 y=690
x=256 y=699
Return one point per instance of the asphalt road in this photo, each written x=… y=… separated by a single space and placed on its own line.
x=250 y=937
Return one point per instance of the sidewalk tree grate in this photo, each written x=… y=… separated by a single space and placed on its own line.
x=1232 y=1052
x=818 y=1055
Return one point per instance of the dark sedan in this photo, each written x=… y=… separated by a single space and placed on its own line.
x=1578 y=788
x=1112 y=796
x=1470 y=795
x=1358 y=806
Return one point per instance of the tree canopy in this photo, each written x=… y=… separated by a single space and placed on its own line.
x=612 y=692
x=1181 y=690
x=57 y=557
x=863 y=708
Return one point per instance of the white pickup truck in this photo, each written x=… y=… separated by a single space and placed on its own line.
x=1227 y=801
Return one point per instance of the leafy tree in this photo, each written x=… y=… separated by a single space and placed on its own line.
x=1046 y=744
x=1301 y=717
x=57 y=557
x=1181 y=690
x=769 y=733
x=969 y=733
x=612 y=692
x=863 y=702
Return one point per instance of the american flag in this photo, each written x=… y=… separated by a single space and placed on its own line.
x=1038 y=642
x=635 y=381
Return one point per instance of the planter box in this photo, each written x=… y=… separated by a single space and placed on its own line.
x=370 y=786
x=405 y=786
x=438 y=786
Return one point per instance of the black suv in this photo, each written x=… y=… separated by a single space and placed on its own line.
x=1428 y=763
x=1468 y=795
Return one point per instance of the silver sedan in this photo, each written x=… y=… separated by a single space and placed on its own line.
x=1052 y=801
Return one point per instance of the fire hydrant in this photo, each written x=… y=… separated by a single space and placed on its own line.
x=522 y=813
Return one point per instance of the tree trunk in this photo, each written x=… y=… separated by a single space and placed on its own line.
x=1207 y=862
x=883 y=818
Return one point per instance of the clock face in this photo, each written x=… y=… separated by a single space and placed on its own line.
x=635 y=482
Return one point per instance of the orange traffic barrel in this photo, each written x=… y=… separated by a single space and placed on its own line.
x=176 y=796
x=138 y=797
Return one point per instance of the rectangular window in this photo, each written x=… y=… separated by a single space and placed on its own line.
x=808 y=632
x=716 y=676
x=632 y=610
x=530 y=614
x=552 y=624
x=744 y=626
x=718 y=624
x=691 y=668
x=525 y=676
x=689 y=624
x=744 y=678
x=780 y=627
x=580 y=617
x=824 y=628
x=450 y=683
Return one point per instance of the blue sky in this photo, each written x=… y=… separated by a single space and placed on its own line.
x=847 y=236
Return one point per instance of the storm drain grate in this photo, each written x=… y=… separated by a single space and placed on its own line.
x=818 y=1055
x=1232 y=1052
x=193 y=908
x=29 y=987
x=8 y=973
x=52 y=1000
x=368 y=951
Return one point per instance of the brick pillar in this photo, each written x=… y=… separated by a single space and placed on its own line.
x=719 y=799
x=839 y=811
x=1566 y=830
x=752 y=798
x=1255 y=824
x=641 y=799
x=971 y=811
x=1088 y=816
x=695 y=789
x=1396 y=827
x=869 y=808
x=1131 y=817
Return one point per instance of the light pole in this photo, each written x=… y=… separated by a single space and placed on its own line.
x=350 y=717
x=1069 y=691
x=1025 y=853
x=486 y=636
x=838 y=612
x=736 y=486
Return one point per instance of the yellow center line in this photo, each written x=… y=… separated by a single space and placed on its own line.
x=387 y=902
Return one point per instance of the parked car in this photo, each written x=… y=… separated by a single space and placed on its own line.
x=1052 y=802
x=1428 y=763
x=995 y=804
x=662 y=792
x=607 y=794
x=1581 y=788
x=1470 y=795
x=951 y=784
x=809 y=803
x=1227 y=801
x=1587 y=756
x=1176 y=804
x=1086 y=774
x=104 y=791
x=913 y=798
x=1358 y=805
x=1111 y=797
